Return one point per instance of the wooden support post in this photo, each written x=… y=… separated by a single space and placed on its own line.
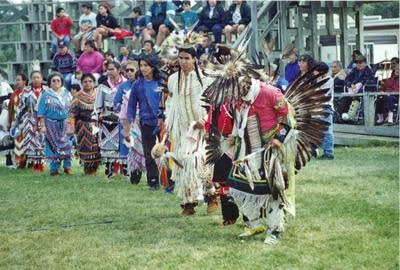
x=360 y=28
x=369 y=110
x=344 y=50
x=314 y=31
x=299 y=38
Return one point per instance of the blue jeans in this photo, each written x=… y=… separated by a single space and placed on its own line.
x=328 y=142
x=54 y=42
x=55 y=164
x=217 y=32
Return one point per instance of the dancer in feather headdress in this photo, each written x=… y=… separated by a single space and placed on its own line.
x=272 y=138
x=185 y=124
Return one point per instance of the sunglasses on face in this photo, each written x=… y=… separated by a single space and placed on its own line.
x=130 y=70
x=203 y=62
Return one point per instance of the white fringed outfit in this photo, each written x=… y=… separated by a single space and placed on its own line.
x=183 y=110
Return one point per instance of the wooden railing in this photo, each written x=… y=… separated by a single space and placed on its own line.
x=369 y=127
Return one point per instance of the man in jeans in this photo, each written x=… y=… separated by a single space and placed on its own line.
x=145 y=94
x=327 y=144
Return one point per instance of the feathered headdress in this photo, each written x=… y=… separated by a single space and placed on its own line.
x=229 y=70
x=179 y=38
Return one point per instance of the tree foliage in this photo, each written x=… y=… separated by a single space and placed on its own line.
x=385 y=9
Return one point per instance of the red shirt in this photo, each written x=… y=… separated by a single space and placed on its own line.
x=390 y=85
x=62 y=26
x=270 y=106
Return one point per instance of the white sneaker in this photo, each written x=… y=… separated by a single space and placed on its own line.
x=271 y=239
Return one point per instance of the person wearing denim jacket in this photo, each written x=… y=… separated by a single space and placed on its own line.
x=145 y=93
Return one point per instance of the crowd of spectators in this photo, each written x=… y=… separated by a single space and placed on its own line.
x=149 y=29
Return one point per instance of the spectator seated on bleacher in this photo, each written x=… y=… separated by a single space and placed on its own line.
x=87 y=26
x=338 y=75
x=207 y=47
x=157 y=22
x=148 y=49
x=354 y=84
x=388 y=103
x=352 y=63
x=90 y=61
x=65 y=63
x=237 y=17
x=61 y=28
x=106 y=25
x=138 y=23
x=212 y=19
x=188 y=16
x=125 y=56
x=394 y=62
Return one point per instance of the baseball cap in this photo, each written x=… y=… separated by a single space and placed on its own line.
x=61 y=44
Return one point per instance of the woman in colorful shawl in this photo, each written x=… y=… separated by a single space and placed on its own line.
x=21 y=82
x=104 y=113
x=80 y=116
x=30 y=148
x=53 y=110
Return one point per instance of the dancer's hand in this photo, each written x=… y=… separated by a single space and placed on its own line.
x=199 y=125
x=160 y=123
x=231 y=140
x=276 y=143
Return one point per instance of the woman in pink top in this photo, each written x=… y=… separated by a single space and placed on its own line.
x=90 y=61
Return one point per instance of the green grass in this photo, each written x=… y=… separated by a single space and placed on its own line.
x=347 y=218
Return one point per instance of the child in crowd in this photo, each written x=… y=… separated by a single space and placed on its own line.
x=75 y=88
x=137 y=25
x=207 y=47
x=188 y=17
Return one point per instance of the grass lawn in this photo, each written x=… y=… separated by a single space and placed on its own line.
x=347 y=218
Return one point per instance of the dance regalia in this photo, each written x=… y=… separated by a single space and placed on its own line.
x=6 y=142
x=109 y=135
x=29 y=144
x=136 y=159
x=121 y=94
x=15 y=101
x=88 y=150
x=258 y=120
x=274 y=137
x=183 y=109
x=222 y=119
x=54 y=108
